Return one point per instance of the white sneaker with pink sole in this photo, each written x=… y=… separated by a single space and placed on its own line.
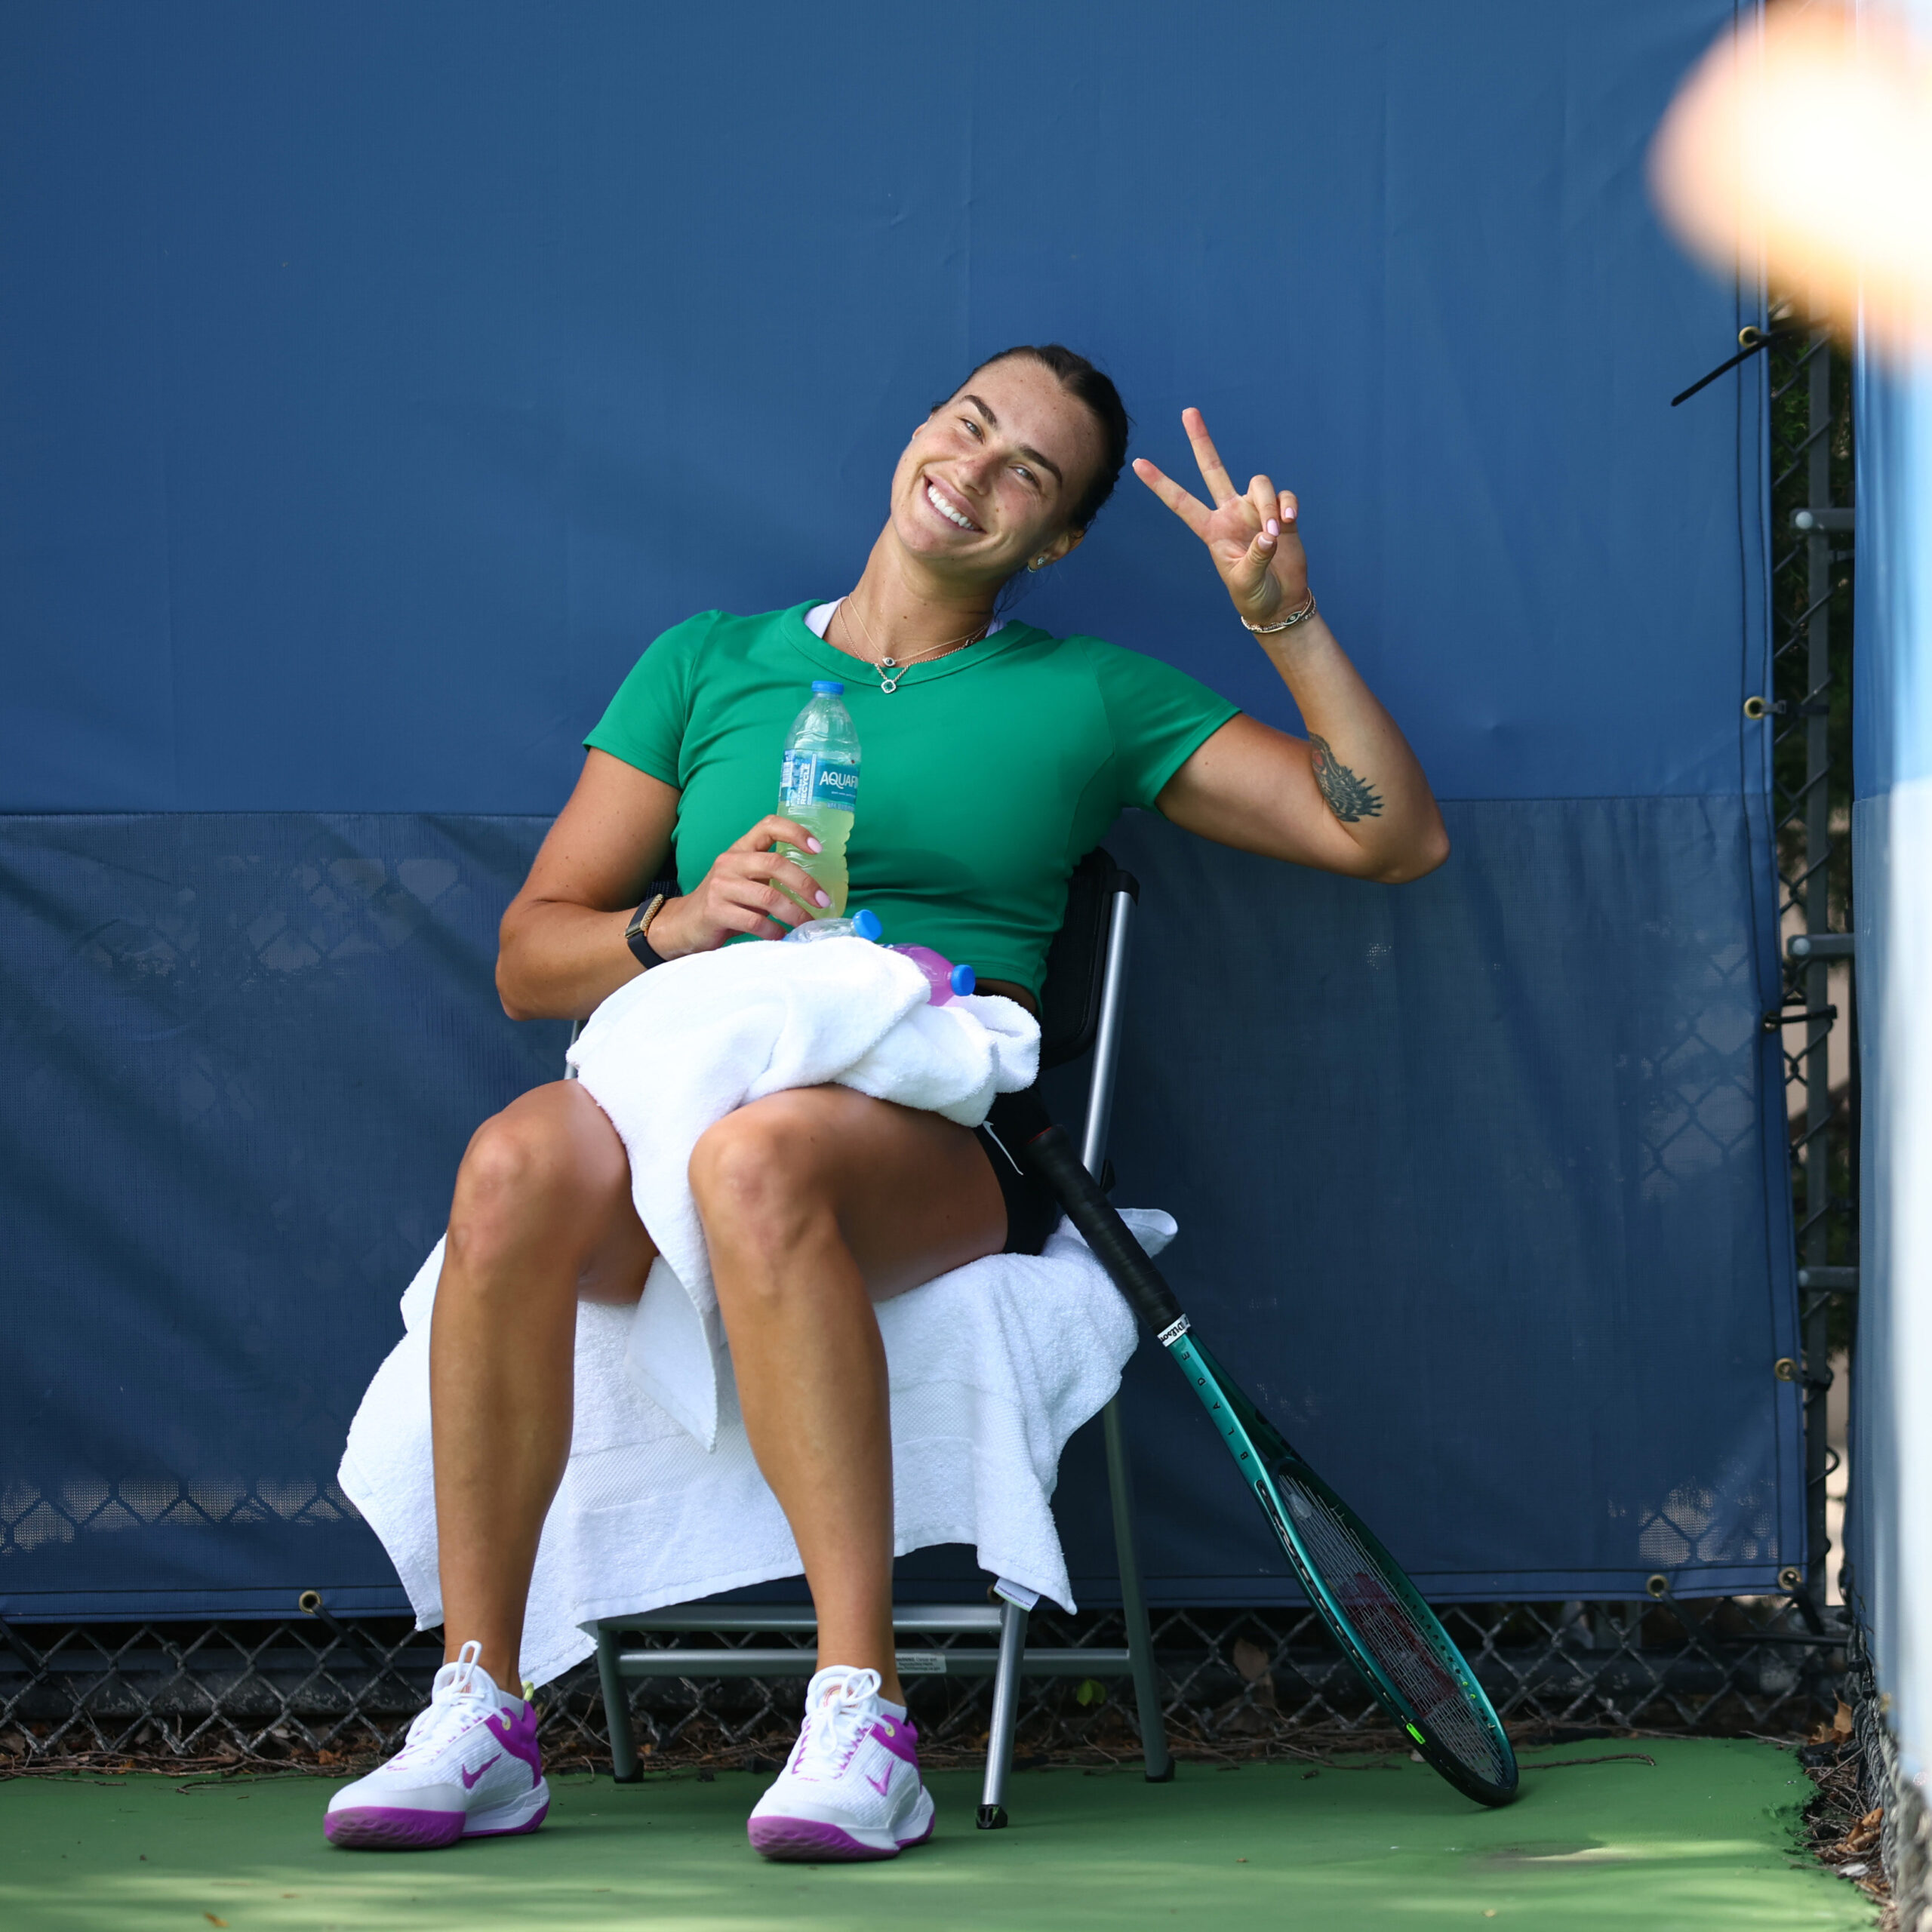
x=851 y=1789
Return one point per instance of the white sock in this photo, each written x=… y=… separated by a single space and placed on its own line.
x=892 y=1710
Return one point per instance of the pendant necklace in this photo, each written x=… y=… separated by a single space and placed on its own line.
x=891 y=669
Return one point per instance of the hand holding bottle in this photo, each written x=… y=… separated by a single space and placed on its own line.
x=752 y=887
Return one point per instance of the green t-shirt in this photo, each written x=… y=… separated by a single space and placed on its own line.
x=983 y=779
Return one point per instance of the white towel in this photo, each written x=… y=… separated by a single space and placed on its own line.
x=676 y=1050
x=992 y=1367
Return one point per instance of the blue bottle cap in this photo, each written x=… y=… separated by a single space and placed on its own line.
x=964 y=979
x=831 y=687
x=865 y=925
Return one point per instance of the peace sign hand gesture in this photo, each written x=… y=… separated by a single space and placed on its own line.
x=1252 y=539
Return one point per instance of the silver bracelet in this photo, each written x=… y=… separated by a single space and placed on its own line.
x=1294 y=617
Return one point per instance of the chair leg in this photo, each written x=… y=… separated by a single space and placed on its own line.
x=1133 y=1603
x=624 y=1768
x=1006 y=1716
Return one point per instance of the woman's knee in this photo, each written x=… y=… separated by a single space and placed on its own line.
x=757 y=1180
x=531 y=1165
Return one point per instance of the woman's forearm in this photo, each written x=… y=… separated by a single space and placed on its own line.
x=1369 y=779
x=558 y=961
x=1253 y=788
x=561 y=947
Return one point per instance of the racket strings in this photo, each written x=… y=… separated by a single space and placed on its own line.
x=1390 y=1632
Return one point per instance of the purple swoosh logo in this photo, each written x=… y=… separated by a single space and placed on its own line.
x=469 y=1777
x=878 y=1784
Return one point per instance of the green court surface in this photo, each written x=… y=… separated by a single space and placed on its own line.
x=1702 y=1842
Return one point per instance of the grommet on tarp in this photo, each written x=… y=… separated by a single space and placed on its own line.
x=1751 y=339
x=1793 y=1016
x=1784 y=1369
x=1659 y=1586
x=1791 y=1577
x=1755 y=707
x=310 y=1604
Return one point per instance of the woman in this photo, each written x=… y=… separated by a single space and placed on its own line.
x=995 y=756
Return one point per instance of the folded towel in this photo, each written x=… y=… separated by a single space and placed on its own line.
x=676 y=1050
x=992 y=1368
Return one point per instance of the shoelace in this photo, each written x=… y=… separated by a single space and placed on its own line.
x=456 y=1700
x=832 y=1727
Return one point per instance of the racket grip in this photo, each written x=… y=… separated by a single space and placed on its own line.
x=1101 y=1227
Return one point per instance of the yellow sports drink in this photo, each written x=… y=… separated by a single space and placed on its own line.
x=818 y=787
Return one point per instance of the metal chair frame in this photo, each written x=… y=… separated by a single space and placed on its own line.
x=1086 y=976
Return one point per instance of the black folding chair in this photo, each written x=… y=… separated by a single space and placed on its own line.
x=1081 y=1002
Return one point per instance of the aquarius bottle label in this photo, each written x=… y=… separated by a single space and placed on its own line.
x=809 y=779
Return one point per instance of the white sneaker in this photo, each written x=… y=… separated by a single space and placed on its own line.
x=851 y=1787
x=470 y=1769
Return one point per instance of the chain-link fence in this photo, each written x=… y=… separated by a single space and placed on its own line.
x=1808 y=711
x=1235 y=1683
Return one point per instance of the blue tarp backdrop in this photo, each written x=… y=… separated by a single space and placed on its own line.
x=378 y=380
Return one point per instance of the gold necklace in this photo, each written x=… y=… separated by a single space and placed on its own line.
x=891 y=669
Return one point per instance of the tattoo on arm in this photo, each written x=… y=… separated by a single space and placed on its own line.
x=1349 y=797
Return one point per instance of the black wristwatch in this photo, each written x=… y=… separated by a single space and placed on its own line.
x=634 y=933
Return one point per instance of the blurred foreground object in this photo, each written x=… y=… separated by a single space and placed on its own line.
x=1846 y=214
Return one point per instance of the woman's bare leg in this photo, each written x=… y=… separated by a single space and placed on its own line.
x=816 y=1203
x=542 y=1215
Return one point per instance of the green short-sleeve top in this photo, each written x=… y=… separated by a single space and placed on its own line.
x=983 y=778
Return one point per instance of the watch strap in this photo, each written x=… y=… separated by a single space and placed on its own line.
x=641 y=950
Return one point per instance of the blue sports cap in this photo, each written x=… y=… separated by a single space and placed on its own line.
x=830 y=685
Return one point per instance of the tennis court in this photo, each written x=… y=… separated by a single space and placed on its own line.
x=1703 y=1839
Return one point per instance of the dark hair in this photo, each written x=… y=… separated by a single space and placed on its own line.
x=1081 y=380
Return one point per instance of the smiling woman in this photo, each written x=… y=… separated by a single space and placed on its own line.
x=1078 y=378
x=995 y=755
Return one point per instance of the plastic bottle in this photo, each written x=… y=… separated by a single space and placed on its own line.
x=945 y=981
x=862 y=924
x=944 y=978
x=818 y=787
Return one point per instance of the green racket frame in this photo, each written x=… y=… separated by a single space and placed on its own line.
x=1259 y=1449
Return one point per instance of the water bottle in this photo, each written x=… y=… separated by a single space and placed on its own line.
x=818 y=788
x=862 y=924
x=944 y=979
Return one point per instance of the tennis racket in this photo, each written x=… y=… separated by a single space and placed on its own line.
x=1377 y=1615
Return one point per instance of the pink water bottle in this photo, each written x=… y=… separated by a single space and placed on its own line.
x=945 y=978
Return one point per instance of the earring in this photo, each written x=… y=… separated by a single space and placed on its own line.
x=1037 y=563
